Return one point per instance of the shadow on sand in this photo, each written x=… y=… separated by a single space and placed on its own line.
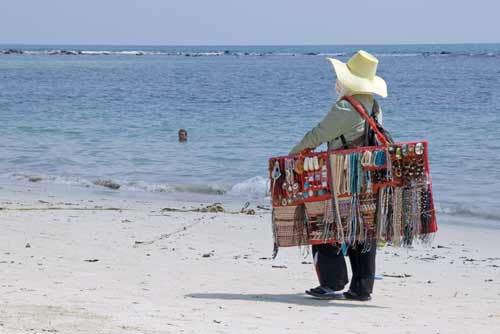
x=293 y=298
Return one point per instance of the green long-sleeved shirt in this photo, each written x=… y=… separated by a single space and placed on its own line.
x=343 y=119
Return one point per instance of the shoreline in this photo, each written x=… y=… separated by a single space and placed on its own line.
x=141 y=270
x=447 y=211
x=31 y=192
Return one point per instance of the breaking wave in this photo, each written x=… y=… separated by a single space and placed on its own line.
x=255 y=187
x=116 y=184
x=458 y=210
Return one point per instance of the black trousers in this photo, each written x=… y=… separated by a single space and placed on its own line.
x=332 y=270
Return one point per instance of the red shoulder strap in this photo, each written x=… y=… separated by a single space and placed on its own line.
x=361 y=110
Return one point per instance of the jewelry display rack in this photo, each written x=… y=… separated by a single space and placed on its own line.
x=361 y=195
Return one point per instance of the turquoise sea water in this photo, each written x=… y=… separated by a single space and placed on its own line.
x=77 y=114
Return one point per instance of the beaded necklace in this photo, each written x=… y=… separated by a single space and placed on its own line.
x=337 y=164
x=397 y=215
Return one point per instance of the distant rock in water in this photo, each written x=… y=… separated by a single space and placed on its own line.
x=11 y=52
x=108 y=184
x=69 y=53
x=35 y=178
x=64 y=53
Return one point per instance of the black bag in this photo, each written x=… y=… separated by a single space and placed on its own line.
x=369 y=138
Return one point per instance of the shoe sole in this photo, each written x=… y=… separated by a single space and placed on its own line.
x=357 y=299
x=335 y=296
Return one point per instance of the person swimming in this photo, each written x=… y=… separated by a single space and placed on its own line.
x=183 y=135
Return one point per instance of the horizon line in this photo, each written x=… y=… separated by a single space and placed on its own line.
x=247 y=45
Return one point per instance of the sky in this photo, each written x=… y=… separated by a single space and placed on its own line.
x=248 y=22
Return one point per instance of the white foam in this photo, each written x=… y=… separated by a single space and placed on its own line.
x=256 y=186
x=332 y=54
x=398 y=54
x=147 y=187
x=457 y=209
x=95 y=53
x=40 y=177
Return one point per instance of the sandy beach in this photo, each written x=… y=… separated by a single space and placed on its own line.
x=151 y=151
x=111 y=264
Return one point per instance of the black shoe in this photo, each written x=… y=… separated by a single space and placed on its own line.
x=324 y=293
x=351 y=295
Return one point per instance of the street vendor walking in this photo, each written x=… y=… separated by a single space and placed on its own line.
x=344 y=127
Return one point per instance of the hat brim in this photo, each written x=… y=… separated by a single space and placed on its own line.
x=358 y=84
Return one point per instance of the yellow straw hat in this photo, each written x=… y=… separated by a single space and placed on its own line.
x=358 y=74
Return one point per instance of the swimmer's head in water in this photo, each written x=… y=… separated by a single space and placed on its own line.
x=183 y=135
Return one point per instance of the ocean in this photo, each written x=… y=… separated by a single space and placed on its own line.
x=77 y=115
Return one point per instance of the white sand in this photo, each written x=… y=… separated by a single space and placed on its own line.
x=170 y=287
